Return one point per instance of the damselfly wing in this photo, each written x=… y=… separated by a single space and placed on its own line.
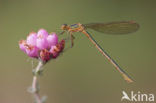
x=118 y=27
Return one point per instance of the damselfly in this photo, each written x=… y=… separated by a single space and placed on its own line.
x=121 y=27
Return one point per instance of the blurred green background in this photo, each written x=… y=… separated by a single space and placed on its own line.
x=81 y=74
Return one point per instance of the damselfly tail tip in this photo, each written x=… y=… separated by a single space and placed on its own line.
x=128 y=79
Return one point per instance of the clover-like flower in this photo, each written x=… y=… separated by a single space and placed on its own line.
x=42 y=45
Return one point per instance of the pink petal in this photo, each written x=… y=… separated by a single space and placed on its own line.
x=22 y=44
x=52 y=39
x=45 y=55
x=55 y=51
x=31 y=39
x=32 y=51
x=42 y=43
x=42 y=33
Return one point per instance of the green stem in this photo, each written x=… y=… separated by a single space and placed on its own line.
x=35 y=85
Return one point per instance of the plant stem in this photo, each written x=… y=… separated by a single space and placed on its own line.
x=35 y=85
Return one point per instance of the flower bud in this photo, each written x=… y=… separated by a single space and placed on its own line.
x=55 y=51
x=31 y=39
x=42 y=33
x=32 y=51
x=45 y=55
x=52 y=39
x=42 y=43
x=22 y=44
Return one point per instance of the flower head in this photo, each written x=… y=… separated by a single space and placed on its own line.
x=42 y=43
x=52 y=39
x=42 y=33
x=32 y=51
x=31 y=39
x=42 y=46
x=55 y=50
x=22 y=44
x=45 y=55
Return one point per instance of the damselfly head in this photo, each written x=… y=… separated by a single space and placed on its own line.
x=64 y=26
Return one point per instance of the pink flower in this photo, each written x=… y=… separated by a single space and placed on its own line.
x=42 y=43
x=55 y=51
x=32 y=51
x=22 y=44
x=45 y=55
x=52 y=39
x=42 y=46
x=31 y=39
x=42 y=33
